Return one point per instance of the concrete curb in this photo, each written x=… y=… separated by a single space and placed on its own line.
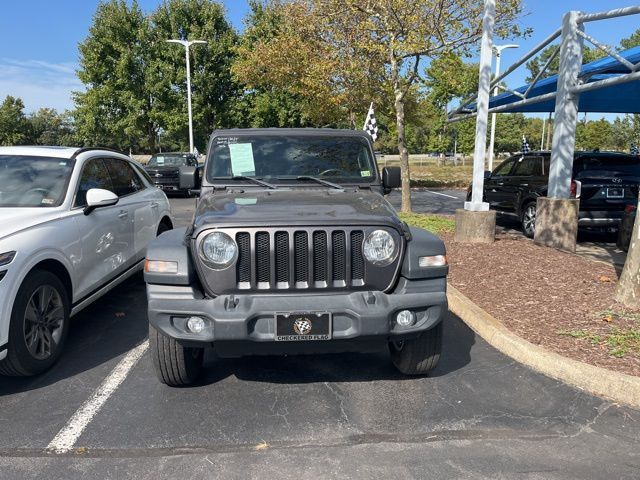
x=619 y=387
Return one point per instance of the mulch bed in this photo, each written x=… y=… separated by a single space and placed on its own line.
x=537 y=292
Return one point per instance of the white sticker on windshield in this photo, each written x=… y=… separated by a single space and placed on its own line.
x=242 y=159
x=365 y=173
x=160 y=160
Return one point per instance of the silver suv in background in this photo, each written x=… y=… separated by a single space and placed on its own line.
x=73 y=224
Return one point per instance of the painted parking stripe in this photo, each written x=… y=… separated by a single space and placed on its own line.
x=67 y=437
x=443 y=194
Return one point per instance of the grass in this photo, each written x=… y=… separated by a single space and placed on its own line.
x=445 y=176
x=433 y=223
x=619 y=341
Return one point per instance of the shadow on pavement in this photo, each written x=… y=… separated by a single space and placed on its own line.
x=343 y=367
x=103 y=331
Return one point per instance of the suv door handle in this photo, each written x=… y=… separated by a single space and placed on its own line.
x=123 y=214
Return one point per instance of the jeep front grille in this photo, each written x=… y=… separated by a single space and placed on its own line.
x=289 y=259
x=277 y=259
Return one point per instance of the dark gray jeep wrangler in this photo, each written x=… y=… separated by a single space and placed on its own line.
x=293 y=249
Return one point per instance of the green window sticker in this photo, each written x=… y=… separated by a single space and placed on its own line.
x=365 y=173
x=242 y=162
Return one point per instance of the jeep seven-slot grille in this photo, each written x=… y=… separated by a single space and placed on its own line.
x=318 y=258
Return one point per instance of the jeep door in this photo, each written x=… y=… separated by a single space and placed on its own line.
x=105 y=242
x=496 y=191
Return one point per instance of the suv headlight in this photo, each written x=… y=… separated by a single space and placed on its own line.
x=379 y=247
x=218 y=250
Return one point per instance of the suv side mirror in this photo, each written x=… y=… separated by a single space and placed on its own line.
x=188 y=177
x=98 y=198
x=391 y=178
x=487 y=174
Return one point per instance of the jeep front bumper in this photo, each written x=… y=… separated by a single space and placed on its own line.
x=245 y=324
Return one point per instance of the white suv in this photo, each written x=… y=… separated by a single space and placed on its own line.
x=73 y=224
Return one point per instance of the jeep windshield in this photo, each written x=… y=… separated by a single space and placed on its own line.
x=291 y=159
x=167 y=161
x=27 y=181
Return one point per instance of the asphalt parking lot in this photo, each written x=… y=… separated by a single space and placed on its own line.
x=478 y=415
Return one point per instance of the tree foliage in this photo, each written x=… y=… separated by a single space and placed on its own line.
x=13 y=123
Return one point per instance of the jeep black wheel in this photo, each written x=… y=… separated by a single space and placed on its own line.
x=174 y=364
x=528 y=220
x=39 y=324
x=418 y=356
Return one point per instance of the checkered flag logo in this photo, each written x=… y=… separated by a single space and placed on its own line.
x=370 y=124
x=634 y=149
x=525 y=145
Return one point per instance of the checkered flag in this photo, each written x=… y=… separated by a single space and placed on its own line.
x=634 y=149
x=525 y=145
x=370 y=124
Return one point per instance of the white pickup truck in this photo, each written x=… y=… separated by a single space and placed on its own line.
x=74 y=223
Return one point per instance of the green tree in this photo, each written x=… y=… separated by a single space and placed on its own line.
x=14 y=128
x=594 y=134
x=114 y=110
x=384 y=42
x=264 y=104
x=214 y=93
x=48 y=127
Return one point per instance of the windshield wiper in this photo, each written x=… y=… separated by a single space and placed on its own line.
x=320 y=181
x=255 y=180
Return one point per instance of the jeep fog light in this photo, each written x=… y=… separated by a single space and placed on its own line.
x=218 y=249
x=195 y=324
x=160 y=266
x=405 y=318
x=379 y=247
x=433 y=261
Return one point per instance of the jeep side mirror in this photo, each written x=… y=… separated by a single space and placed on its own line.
x=487 y=174
x=99 y=197
x=391 y=178
x=188 y=177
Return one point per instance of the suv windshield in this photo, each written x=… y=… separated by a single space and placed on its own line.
x=284 y=158
x=167 y=161
x=606 y=166
x=27 y=181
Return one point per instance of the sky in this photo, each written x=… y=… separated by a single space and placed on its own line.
x=39 y=41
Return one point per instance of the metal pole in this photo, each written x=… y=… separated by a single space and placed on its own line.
x=564 y=135
x=496 y=90
x=189 y=97
x=493 y=116
x=484 y=84
x=544 y=123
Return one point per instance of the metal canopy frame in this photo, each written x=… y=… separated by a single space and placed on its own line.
x=570 y=85
x=462 y=112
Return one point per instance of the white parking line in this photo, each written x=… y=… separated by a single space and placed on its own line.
x=67 y=437
x=443 y=194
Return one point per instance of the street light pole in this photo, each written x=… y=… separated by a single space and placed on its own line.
x=498 y=49
x=187 y=44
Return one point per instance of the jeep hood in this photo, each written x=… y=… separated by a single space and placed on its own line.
x=291 y=207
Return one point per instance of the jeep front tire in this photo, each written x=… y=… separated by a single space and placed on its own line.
x=420 y=355
x=175 y=365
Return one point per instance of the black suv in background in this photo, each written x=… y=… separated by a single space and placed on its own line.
x=165 y=170
x=605 y=183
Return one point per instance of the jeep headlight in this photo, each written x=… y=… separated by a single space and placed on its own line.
x=379 y=247
x=218 y=250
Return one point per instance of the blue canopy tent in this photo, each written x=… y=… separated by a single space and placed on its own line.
x=621 y=98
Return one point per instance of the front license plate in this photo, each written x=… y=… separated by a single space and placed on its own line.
x=306 y=326
x=615 y=192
